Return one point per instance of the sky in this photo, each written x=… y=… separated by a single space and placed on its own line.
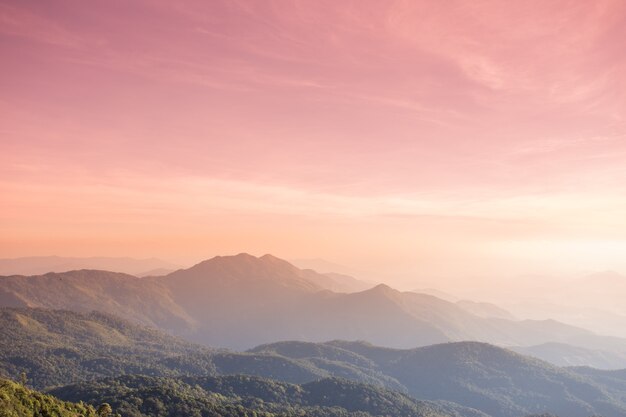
x=414 y=140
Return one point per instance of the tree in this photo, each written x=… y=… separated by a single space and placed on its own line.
x=104 y=410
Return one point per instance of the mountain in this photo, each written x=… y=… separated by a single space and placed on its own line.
x=19 y=401
x=378 y=315
x=593 y=301
x=244 y=395
x=500 y=382
x=598 y=317
x=562 y=354
x=341 y=283
x=614 y=381
x=242 y=301
x=323 y=266
x=155 y=272
x=56 y=348
x=60 y=347
x=232 y=271
x=493 y=380
x=237 y=300
x=36 y=265
x=536 y=332
x=485 y=310
x=144 y=300
x=437 y=293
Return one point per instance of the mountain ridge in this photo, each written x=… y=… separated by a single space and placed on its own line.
x=37 y=265
x=242 y=301
x=56 y=348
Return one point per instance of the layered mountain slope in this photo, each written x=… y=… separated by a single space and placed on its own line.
x=485 y=310
x=562 y=354
x=499 y=382
x=377 y=315
x=341 y=282
x=496 y=381
x=231 y=272
x=62 y=347
x=224 y=396
x=36 y=265
x=145 y=301
x=242 y=301
x=613 y=381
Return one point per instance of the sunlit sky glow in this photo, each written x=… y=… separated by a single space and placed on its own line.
x=406 y=138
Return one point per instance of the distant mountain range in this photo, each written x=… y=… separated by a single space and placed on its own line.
x=323 y=266
x=593 y=301
x=485 y=310
x=562 y=354
x=470 y=379
x=342 y=283
x=242 y=301
x=36 y=265
x=493 y=380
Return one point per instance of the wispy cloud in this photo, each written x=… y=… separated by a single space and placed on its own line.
x=419 y=119
x=18 y=21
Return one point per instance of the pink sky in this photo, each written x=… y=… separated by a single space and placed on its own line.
x=418 y=138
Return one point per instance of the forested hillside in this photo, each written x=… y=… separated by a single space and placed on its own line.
x=59 y=348
x=18 y=401
x=494 y=380
x=137 y=396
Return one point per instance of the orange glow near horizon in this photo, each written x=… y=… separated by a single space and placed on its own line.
x=411 y=139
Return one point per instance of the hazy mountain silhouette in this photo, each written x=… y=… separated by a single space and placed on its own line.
x=323 y=266
x=56 y=347
x=496 y=381
x=485 y=310
x=562 y=354
x=342 y=283
x=594 y=301
x=36 y=265
x=155 y=272
x=145 y=301
x=61 y=347
x=437 y=293
x=241 y=301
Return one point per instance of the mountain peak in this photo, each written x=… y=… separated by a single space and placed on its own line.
x=381 y=292
x=274 y=260
x=242 y=257
x=242 y=270
x=383 y=289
